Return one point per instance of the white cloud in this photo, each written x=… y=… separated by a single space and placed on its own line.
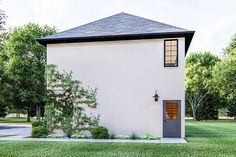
x=213 y=20
x=48 y=11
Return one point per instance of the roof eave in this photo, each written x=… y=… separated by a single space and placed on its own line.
x=187 y=34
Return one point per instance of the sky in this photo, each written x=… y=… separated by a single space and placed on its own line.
x=213 y=20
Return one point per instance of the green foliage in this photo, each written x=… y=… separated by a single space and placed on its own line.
x=134 y=136
x=112 y=136
x=79 y=136
x=37 y=123
x=232 y=110
x=208 y=110
x=67 y=126
x=39 y=131
x=100 y=132
x=231 y=46
x=198 y=84
x=67 y=102
x=2 y=21
x=148 y=136
x=3 y=111
x=224 y=81
x=24 y=61
x=50 y=118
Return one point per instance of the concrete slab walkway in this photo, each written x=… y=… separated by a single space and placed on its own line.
x=162 y=141
x=22 y=133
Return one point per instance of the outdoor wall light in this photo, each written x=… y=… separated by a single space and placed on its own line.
x=156 y=96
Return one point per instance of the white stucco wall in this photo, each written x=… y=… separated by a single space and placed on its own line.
x=126 y=74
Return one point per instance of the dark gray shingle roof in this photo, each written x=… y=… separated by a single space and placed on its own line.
x=119 y=24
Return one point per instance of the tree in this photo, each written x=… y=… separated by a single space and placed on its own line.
x=198 y=76
x=2 y=65
x=67 y=102
x=231 y=46
x=2 y=21
x=224 y=74
x=26 y=60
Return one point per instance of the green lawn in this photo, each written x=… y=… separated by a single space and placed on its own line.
x=13 y=120
x=205 y=139
x=5 y=135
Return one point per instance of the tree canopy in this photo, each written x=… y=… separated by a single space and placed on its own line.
x=198 y=75
x=224 y=79
x=232 y=45
x=25 y=61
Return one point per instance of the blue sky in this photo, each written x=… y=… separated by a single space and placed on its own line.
x=213 y=20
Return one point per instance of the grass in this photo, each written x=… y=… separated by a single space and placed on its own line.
x=14 y=121
x=1 y=136
x=210 y=139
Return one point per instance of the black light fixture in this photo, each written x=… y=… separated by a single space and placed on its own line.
x=156 y=96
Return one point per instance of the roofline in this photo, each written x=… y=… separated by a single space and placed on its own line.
x=187 y=34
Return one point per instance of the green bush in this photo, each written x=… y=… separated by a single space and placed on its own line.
x=100 y=132
x=39 y=131
x=79 y=135
x=133 y=136
x=37 y=123
x=148 y=137
x=112 y=136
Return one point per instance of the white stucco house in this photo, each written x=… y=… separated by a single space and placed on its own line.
x=136 y=64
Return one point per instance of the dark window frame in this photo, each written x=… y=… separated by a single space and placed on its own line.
x=177 y=53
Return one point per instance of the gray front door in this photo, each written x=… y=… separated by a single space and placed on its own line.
x=172 y=118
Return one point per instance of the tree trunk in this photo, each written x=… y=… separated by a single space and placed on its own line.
x=18 y=115
x=38 y=112
x=194 y=114
x=234 y=117
x=28 y=115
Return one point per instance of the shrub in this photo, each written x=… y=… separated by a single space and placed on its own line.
x=148 y=137
x=79 y=135
x=112 y=136
x=37 y=123
x=100 y=132
x=122 y=137
x=39 y=131
x=133 y=136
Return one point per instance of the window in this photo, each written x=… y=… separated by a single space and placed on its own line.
x=171 y=111
x=171 y=53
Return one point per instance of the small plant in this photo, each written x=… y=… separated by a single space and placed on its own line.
x=79 y=136
x=39 y=131
x=99 y=132
x=148 y=137
x=122 y=137
x=55 y=136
